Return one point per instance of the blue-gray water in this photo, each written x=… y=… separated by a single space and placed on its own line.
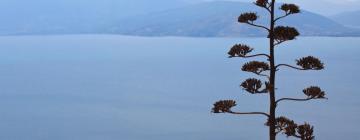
x=100 y=87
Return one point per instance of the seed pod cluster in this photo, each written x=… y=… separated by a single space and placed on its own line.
x=290 y=8
x=310 y=63
x=290 y=128
x=247 y=17
x=306 y=132
x=287 y=126
x=223 y=106
x=240 y=50
x=314 y=92
x=262 y=3
x=255 y=67
x=285 y=33
x=254 y=86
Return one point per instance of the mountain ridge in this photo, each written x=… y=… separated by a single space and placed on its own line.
x=219 y=19
x=72 y=17
x=349 y=19
x=205 y=19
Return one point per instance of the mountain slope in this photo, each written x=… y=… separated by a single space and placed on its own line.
x=148 y=18
x=72 y=16
x=213 y=19
x=350 y=19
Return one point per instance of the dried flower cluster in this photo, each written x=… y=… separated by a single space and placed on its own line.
x=240 y=50
x=254 y=86
x=314 y=92
x=223 y=106
x=262 y=3
x=247 y=17
x=287 y=126
x=290 y=8
x=290 y=128
x=306 y=132
x=310 y=63
x=285 y=33
x=255 y=67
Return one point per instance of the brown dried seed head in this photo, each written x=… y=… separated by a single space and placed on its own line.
x=286 y=125
x=240 y=50
x=253 y=86
x=314 y=92
x=247 y=17
x=290 y=8
x=223 y=106
x=282 y=33
x=255 y=67
x=261 y=3
x=306 y=131
x=310 y=62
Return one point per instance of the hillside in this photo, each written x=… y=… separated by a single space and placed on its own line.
x=73 y=16
x=145 y=18
x=214 y=19
x=350 y=19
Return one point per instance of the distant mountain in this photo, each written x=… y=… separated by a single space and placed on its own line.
x=213 y=19
x=149 y=18
x=73 y=16
x=350 y=19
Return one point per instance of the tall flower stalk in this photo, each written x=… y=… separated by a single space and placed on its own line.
x=277 y=35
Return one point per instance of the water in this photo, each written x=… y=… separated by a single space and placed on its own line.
x=103 y=87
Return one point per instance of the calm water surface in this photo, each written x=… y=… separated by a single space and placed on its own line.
x=103 y=87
